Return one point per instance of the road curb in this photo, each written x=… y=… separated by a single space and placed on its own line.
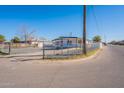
x=82 y=59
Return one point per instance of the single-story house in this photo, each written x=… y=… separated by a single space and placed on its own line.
x=42 y=42
x=66 y=42
x=69 y=42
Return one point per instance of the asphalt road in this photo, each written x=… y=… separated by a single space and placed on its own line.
x=106 y=70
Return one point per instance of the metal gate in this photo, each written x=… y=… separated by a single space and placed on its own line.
x=5 y=48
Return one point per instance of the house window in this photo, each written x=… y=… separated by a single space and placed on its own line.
x=79 y=41
x=69 y=42
x=57 y=43
x=61 y=43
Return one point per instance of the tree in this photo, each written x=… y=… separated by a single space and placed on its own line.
x=16 y=39
x=25 y=35
x=2 y=38
x=97 y=38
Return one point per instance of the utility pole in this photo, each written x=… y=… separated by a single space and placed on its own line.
x=84 y=31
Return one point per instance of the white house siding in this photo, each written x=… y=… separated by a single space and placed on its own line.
x=66 y=42
x=96 y=45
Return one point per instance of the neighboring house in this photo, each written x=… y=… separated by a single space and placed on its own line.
x=42 y=42
x=89 y=41
x=1 y=42
x=70 y=42
x=67 y=42
x=37 y=42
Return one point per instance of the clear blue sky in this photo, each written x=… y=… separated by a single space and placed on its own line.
x=53 y=21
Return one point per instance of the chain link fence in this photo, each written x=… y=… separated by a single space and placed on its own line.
x=65 y=52
x=5 y=48
x=18 y=48
x=46 y=49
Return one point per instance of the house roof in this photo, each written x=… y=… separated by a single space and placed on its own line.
x=59 y=38
x=63 y=37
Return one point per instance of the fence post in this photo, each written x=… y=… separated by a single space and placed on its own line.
x=62 y=42
x=9 y=48
x=76 y=46
x=43 y=51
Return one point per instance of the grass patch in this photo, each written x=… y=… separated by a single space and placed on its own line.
x=90 y=53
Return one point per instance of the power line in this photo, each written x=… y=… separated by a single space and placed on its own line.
x=97 y=25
